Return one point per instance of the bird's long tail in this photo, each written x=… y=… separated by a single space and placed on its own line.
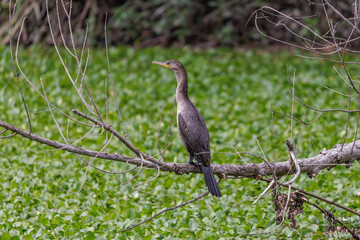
x=211 y=181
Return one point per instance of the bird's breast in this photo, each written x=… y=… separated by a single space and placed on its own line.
x=180 y=108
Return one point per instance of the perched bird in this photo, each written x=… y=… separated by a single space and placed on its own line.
x=192 y=129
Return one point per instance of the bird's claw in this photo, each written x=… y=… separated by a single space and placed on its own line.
x=196 y=164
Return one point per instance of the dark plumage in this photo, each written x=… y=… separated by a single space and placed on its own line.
x=192 y=128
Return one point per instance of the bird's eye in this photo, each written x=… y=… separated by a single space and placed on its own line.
x=168 y=63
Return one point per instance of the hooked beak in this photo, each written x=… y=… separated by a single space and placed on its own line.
x=161 y=64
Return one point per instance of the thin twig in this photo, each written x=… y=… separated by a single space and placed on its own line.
x=318 y=197
x=67 y=70
x=237 y=152
x=169 y=133
x=106 y=107
x=168 y=209
x=265 y=191
x=102 y=170
x=9 y=136
x=3 y=131
x=150 y=180
x=137 y=173
x=33 y=86
x=265 y=159
x=357 y=123
x=112 y=82
x=292 y=107
x=13 y=63
x=160 y=122
x=347 y=120
x=120 y=137
x=91 y=162
x=327 y=213
x=52 y=114
x=294 y=161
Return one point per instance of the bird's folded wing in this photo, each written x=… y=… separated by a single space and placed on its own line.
x=193 y=136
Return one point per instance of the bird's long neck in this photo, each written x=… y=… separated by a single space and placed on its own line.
x=182 y=86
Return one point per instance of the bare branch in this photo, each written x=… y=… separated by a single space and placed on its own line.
x=9 y=136
x=325 y=160
x=294 y=162
x=265 y=191
x=318 y=197
x=169 y=134
x=120 y=137
x=112 y=82
x=11 y=14
x=328 y=214
x=168 y=209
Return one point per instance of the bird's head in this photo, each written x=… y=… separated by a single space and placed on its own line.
x=174 y=65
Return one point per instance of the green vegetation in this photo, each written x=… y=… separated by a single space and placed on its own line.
x=233 y=90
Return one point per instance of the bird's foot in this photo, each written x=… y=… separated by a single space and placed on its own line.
x=196 y=164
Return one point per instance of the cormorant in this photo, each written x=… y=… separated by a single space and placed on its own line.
x=192 y=129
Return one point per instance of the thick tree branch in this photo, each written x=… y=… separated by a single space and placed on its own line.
x=312 y=166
